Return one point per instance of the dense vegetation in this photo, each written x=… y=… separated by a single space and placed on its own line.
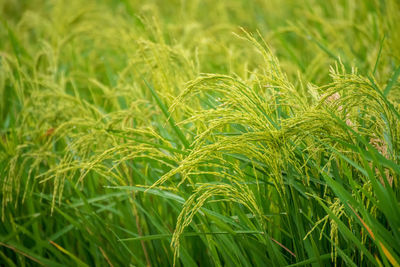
x=210 y=133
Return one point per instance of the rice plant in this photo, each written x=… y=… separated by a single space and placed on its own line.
x=200 y=133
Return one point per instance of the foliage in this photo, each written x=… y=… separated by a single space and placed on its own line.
x=235 y=133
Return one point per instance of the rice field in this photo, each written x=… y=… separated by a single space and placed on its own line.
x=199 y=133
